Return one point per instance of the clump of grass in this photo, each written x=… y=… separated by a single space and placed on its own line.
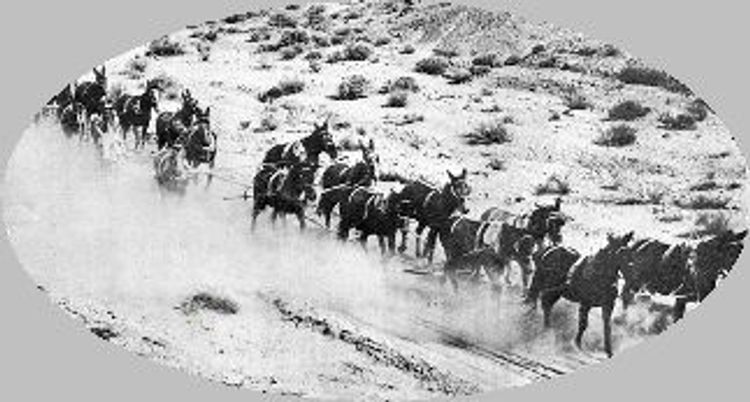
x=554 y=185
x=458 y=76
x=292 y=37
x=167 y=86
x=628 y=111
x=489 y=133
x=282 y=20
x=259 y=35
x=283 y=88
x=397 y=99
x=267 y=123
x=321 y=40
x=165 y=47
x=313 y=55
x=513 y=60
x=704 y=201
x=496 y=164
x=383 y=41
x=353 y=87
x=575 y=101
x=712 y=224
x=357 y=52
x=432 y=66
x=677 y=122
x=652 y=77
x=205 y=301
x=489 y=59
x=407 y=49
x=291 y=52
x=617 y=136
x=405 y=83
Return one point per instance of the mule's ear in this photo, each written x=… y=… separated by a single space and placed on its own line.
x=628 y=237
x=208 y=111
x=450 y=175
x=558 y=203
x=372 y=144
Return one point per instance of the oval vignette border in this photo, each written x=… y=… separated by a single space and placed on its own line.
x=706 y=338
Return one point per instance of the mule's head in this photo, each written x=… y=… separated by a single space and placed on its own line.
x=371 y=159
x=458 y=187
x=150 y=97
x=100 y=77
x=303 y=178
x=322 y=140
x=190 y=107
x=553 y=227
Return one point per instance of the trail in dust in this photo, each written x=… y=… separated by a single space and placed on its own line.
x=104 y=233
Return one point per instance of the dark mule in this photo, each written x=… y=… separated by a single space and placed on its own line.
x=172 y=127
x=200 y=145
x=134 y=113
x=590 y=281
x=678 y=270
x=62 y=100
x=287 y=190
x=331 y=198
x=362 y=173
x=90 y=98
x=320 y=141
x=371 y=213
x=432 y=208
x=461 y=235
x=472 y=263
x=544 y=222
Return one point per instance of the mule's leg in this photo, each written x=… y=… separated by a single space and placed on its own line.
x=301 y=219
x=404 y=236
x=430 y=245
x=363 y=240
x=526 y=273
x=381 y=243
x=418 y=240
x=549 y=298
x=607 y=317
x=583 y=322
x=256 y=211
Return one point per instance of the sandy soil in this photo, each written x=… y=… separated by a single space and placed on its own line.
x=317 y=318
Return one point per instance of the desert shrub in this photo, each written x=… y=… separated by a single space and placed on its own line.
x=353 y=87
x=617 y=136
x=321 y=40
x=609 y=50
x=407 y=84
x=268 y=122
x=210 y=36
x=433 y=66
x=292 y=7
x=282 y=20
x=236 y=18
x=335 y=57
x=207 y=301
x=291 y=52
x=699 y=109
x=575 y=101
x=496 y=164
x=480 y=71
x=165 y=47
x=446 y=52
x=283 y=88
x=357 y=52
x=382 y=41
x=680 y=121
x=652 y=77
x=315 y=15
x=457 y=76
x=628 y=111
x=711 y=224
x=397 y=99
x=704 y=201
x=489 y=60
x=554 y=185
x=314 y=55
x=513 y=60
x=258 y=36
x=292 y=37
x=488 y=133
x=547 y=62
x=408 y=49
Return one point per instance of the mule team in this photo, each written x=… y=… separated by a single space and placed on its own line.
x=285 y=182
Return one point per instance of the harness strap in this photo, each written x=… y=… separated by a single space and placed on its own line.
x=428 y=198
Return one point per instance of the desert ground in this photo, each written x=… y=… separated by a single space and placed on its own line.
x=530 y=110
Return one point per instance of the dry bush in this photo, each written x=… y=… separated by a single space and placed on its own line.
x=704 y=201
x=480 y=71
x=282 y=20
x=397 y=99
x=269 y=122
x=652 y=77
x=712 y=224
x=313 y=55
x=165 y=47
x=283 y=88
x=432 y=66
x=291 y=52
x=407 y=49
x=321 y=40
x=315 y=16
x=554 y=185
x=457 y=76
x=357 y=52
x=408 y=84
x=488 y=133
x=699 y=109
x=575 y=101
x=383 y=41
x=617 y=136
x=168 y=86
x=628 y=111
x=292 y=37
x=259 y=35
x=513 y=60
x=353 y=87
x=490 y=60
x=677 y=122
x=496 y=164
x=206 y=301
